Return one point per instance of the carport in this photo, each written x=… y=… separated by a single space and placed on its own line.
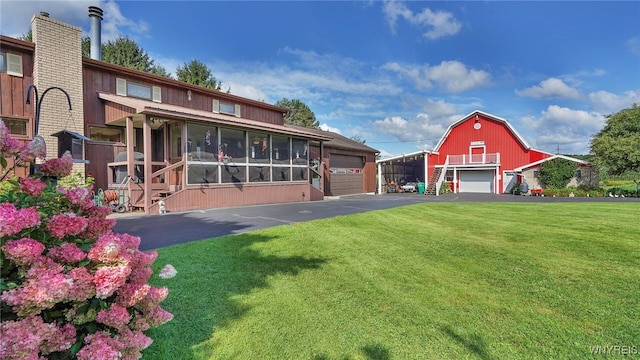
x=402 y=169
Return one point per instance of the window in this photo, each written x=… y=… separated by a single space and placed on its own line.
x=105 y=134
x=11 y=64
x=258 y=148
x=127 y=88
x=535 y=174
x=202 y=142
x=578 y=174
x=280 y=150
x=233 y=145
x=17 y=127
x=225 y=108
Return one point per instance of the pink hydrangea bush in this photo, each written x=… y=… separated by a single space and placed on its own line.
x=70 y=287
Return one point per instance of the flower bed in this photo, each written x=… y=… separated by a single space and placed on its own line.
x=70 y=286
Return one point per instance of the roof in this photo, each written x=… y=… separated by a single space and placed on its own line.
x=487 y=115
x=72 y=133
x=556 y=156
x=148 y=107
x=337 y=141
x=405 y=155
x=157 y=79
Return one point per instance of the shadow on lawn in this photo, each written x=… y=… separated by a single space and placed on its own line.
x=211 y=274
x=474 y=342
x=371 y=352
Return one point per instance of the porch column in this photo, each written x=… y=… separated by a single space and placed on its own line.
x=379 y=176
x=131 y=170
x=456 y=187
x=146 y=142
x=426 y=170
x=321 y=167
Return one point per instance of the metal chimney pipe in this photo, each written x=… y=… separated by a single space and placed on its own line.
x=95 y=13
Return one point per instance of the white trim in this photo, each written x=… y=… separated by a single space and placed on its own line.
x=14 y=65
x=121 y=87
x=492 y=117
x=527 y=166
x=425 y=152
x=216 y=106
x=156 y=94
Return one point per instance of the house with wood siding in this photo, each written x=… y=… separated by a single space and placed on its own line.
x=149 y=138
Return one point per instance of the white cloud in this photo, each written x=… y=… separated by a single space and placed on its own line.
x=551 y=88
x=569 y=129
x=633 y=45
x=609 y=103
x=439 y=23
x=15 y=16
x=326 y=127
x=450 y=76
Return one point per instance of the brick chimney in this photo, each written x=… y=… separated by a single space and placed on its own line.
x=58 y=62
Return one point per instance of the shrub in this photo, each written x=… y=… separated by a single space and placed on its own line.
x=557 y=173
x=69 y=286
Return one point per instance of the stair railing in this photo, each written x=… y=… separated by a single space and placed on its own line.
x=442 y=176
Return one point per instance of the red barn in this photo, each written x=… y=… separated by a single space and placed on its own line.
x=478 y=153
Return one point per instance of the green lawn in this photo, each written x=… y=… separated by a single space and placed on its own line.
x=428 y=281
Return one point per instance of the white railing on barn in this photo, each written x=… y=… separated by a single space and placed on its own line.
x=473 y=159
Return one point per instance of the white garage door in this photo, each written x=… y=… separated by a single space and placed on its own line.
x=478 y=181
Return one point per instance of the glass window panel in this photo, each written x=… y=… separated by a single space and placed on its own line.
x=140 y=91
x=259 y=173
x=233 y=145
x=227 y=108
x=233 y=173
x=199 y=173
x=300 y=173
x=258 y=148
x=281 y=173
x=280 y=151
x=202 y=142
x=300 y=153
x=105 y=134
x=16 y=127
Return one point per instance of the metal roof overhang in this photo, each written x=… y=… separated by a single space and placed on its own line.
x=167 y=111
x=405 y=156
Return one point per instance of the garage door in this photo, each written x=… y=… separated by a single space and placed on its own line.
x=346 y=175
x=478 y=181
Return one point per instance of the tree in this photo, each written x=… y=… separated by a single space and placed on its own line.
x=28 y=36
x=616 y=147
x=126 y=52
x=160 y=70
x=197 y=73
x=358 y=139
x=299 y=113
x=557 y=173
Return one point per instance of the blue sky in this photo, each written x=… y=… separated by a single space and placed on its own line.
x=395 y=73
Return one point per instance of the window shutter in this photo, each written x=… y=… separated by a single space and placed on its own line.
x=237 y=110
x=156 y=94
x=14 y=64
x=216 y=105
x=121 y=87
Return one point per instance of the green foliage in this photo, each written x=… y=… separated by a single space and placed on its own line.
x=445 y=188
x=358 y=139
x=126 y=52
x=557 y=173
x=299 y=113
x=28 y=36
x=76 y=180
x=197 y=73
x=160 y=71
x=617 y=145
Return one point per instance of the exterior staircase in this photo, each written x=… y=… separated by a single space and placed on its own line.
x=433 y=180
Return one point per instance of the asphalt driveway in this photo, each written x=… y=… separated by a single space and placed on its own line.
x=162 y=230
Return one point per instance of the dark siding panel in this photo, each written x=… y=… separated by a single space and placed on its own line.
x=346 y=184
